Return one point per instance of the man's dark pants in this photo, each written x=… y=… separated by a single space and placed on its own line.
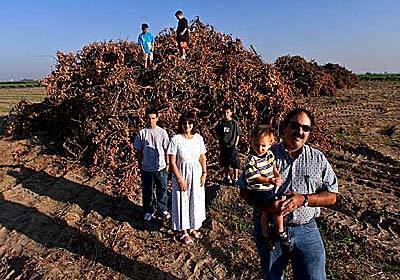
x=154 y=191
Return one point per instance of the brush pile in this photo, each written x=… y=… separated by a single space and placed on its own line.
x=343 y=78
x=310 y=79
x=97 y=97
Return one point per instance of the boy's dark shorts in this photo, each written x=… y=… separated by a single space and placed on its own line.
x=181 y=39
x=261 y=197
x=229 y=157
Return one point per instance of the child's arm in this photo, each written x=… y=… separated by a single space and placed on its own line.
x=237 y=141
x=140 y=43
x=217 y=130
x=153 y=44
x=264 y=180
x=186 y=26
x=138 y=146
x=183 y=32
x=253 y=175
x=238 y=134
x=277 y=180
x=139 y=154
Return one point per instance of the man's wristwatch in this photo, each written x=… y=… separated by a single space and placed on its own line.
x=305 y=201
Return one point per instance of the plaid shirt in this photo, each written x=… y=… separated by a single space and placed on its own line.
x=309 y=173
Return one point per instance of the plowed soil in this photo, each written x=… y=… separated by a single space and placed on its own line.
x=59 y=222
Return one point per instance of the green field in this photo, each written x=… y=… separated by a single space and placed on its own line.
x=10 y=96
x=379 y=76
x=20 y=84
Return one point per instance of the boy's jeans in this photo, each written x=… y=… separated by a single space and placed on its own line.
x=154 y=191
x=306 y=252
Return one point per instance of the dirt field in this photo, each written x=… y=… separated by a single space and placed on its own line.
x=57 y=222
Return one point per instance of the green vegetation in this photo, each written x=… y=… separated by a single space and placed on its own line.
x=380 y=76
x=9 y=97
x=20 y=84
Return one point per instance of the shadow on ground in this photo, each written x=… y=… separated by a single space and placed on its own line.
x=86 y=197
x=53 y=232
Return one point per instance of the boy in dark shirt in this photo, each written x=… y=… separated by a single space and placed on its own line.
x=228 y=133
x=182 y=34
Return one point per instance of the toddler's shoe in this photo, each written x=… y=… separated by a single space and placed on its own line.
x=284 y=237
x=166 y=215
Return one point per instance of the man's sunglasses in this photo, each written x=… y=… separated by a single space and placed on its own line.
x=296 y=125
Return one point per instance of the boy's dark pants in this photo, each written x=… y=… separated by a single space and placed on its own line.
x=154 y=191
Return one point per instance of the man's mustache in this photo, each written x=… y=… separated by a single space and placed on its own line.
x=296 y=134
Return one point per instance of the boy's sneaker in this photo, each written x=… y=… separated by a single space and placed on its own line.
x=148 y=216
x=284 y=237
x=166 y=215
x=234 y=182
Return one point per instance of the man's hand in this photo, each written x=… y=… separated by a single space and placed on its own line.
x=275 y=206
x=293 y=201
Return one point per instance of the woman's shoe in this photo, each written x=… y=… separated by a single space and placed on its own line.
x=185 y=238
x=195 y=234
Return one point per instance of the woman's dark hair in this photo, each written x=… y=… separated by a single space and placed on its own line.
x=145 y=25
x=294 y=113
x=189 y=117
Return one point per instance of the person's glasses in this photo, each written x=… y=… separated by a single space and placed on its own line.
x=187 y=123
x=296 y=125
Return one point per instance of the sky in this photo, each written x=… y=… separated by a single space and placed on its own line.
x=362 y=35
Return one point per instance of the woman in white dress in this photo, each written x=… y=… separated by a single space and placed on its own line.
x=187 y=160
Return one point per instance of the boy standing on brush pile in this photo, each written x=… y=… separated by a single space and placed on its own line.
x=182 y=34
x=228 y=134
x=146 y=42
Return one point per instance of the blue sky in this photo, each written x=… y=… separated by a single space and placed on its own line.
x=361 y=35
